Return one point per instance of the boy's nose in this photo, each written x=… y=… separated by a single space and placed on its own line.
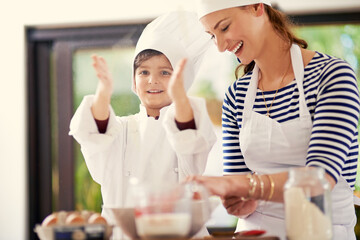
x=152 y=80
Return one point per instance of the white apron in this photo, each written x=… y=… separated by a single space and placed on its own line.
x=272 y=147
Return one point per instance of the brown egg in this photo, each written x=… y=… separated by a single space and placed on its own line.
x=50 y=220
x=96 y=218
x=74 y=219
x=61 y=215
x=86 y=214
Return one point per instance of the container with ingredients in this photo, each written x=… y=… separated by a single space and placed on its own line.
x=307 y=204
x=162 y=211
x=70 y=225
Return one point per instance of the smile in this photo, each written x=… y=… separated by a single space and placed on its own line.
x=237 y=47
x=155 y=91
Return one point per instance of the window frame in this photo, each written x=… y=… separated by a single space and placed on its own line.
x=41 y=44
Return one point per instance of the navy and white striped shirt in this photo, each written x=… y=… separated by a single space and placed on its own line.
x=332 y=97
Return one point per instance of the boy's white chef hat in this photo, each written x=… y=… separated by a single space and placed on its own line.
x=177 y=35
x=205 y=7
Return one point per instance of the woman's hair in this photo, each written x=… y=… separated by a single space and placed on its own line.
x=144 y=56
x=282 y=25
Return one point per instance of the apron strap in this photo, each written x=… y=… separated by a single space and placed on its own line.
x=298 y=67
x=250 y=95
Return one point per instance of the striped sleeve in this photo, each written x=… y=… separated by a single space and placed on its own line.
x=333 y=143
x=233 y=160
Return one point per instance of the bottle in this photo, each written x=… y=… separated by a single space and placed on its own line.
x=307 y=202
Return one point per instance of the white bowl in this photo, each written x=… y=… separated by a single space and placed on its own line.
x=125 y=217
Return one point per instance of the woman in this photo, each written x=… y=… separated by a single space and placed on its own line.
x=293 y=107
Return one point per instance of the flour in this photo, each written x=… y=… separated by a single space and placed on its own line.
x=305 y=220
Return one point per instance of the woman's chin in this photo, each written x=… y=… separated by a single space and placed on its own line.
x=244 y=61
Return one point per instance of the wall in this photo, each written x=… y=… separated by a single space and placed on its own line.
x=14 y=16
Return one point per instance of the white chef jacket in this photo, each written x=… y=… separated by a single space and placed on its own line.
x=142 y=147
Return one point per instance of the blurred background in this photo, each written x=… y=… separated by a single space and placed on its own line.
x=46 y=71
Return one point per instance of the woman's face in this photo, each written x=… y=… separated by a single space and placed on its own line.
x=238 y=30
x=151 y=83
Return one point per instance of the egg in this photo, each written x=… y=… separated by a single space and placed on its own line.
x=50 y=220
x=61 y=217
x=96 y=218
x=74 y=219
x=86 y=214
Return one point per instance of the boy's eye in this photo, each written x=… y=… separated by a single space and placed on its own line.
x=144 y=72
x=166 y=73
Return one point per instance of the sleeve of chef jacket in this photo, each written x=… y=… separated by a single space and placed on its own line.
x=192 y=146
x=96 y=147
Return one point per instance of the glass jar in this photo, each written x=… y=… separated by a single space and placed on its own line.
x=307 y=204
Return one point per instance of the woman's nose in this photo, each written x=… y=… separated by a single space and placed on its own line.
x=221 y=44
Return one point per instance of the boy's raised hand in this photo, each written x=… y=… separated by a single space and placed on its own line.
x=176 y=88
x=177 y=93
x=105 y=85
x=100 y=106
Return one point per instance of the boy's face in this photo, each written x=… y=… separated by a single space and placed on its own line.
x=151 y=83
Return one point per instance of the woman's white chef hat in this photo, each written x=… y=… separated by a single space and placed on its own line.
x=177 y=35
x=205 y=7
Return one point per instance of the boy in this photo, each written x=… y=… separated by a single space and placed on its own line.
x=171 y=136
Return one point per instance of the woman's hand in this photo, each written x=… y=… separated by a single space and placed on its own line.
x=177 y=93
x=239 y=208
x=231 y=189
x=100 y=107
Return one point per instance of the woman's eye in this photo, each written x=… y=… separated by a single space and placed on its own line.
x=226 y=28
x=212 y=37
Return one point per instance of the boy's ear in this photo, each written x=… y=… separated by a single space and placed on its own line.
x=134 y=85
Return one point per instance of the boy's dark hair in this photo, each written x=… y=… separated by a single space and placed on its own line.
x=143 y=56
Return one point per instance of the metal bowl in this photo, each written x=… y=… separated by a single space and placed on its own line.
x=200 y=211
